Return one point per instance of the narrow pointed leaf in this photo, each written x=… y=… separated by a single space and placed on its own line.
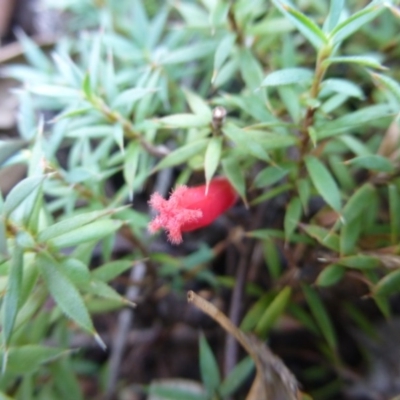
x=323 y=182
x=63 y=291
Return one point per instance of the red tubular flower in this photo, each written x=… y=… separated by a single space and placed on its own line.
x=188 y=209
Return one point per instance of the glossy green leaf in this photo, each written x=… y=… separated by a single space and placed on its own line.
x=189 y=53
x=335 y=11
x=198 y=105
x=365 y=61
x=288 y=76
x=243 y=140
x=26 y=359
x=101 y=289
x=270 y=175
x=63 y=291
x=20 y=192
x=12 y=297
x=184 y=121
x=72 y=223
x=253 y=315
x=358 y=202
x=360 y=261
x=272 y=258
x=236 y=377
x=212 y=157
x=10 y=147
x=235 y=176
x=292 y=217
x=349 y=235
x=323 y=236
x=388 y=83
x=209 y=370
x=33 y=53
x=131 y=165
x=389 y=284
x=304 y=24
x=352 y=120
x=320 y=315
x=112 y=269
x=182 y=154
x=373 y=162
x=222 y=53
x=394 y=210
x=330 y=275
x=93 y=231
x=76 y=271
x=342 y=86
x=274 y=310
x=250 y=69
x=356 y=21
x=127 y=99
x=323 y=182
x=304 y=190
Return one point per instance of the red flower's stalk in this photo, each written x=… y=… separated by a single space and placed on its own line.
x=188 y=209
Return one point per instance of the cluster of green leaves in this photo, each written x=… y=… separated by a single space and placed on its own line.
x=309 y=108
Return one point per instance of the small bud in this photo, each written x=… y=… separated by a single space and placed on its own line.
x=218 y=117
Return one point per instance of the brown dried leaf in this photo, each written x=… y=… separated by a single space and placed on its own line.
x=273 y=381
x=390 y=142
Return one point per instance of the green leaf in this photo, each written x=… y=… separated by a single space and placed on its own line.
x=304 y=190
x=389 y=284
x=64 y=93
x=127 y=99
x=350 y=121
x=20 y=192
x=323 y=182
x=373 y=162
x=360 y=261
x=244 y=140
x=212 y=158
x=358 y=202
x=76 y=271
x=394 y=210
x=288 y=76
x=356 y=21
x=110 y=270
x=208 y=367
x=222 y=52
x=320 y=315
x=335 y=11
x=198 y=106
x=131 y=165
x=270 y=175
x=184 y=121
x=365 y=61
x=253 y=315
x=182 y=154
x=330 y=275
x=273 y=312
x=349 y=235
x=101 y=289
x=189 y=53
x=90 y=232
x=27 y=359
x=388 y=83
x=72 y=223
x=305 y=25
x=251 y=70
x=12 y=297
x=235 y=176
x=323 y=236
x=33 y=53
x=10 y=147
x=292 y=217
x=342 y=86
x=236 y=377
x=63 y=291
